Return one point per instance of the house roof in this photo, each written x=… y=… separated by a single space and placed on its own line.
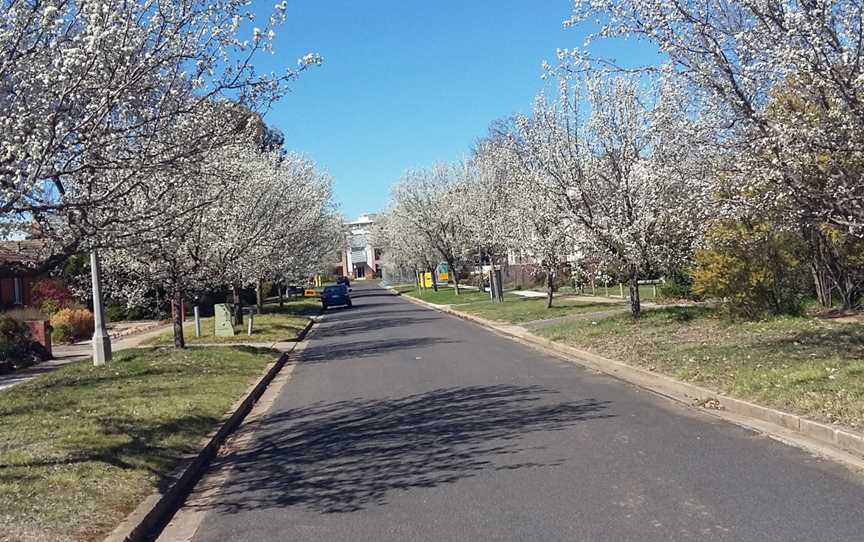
x=23 y=254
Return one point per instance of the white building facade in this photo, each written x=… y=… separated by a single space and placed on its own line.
x=359 y=259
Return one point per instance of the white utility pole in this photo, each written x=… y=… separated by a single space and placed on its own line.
x=101 y=340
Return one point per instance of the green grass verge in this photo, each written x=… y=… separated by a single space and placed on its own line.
x=517 y=310
x=80 y=447
x=444 y=295
x=646 y=291
x=273 y=326
x=804 y=365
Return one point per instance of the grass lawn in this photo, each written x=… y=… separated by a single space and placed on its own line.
x=646 y=291
x=805 y=365
x=273 y=326
x=519 y=309
x=80 y=447
x=444 y=296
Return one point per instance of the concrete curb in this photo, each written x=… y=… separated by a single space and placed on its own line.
x=153 y=511
x=841 y=440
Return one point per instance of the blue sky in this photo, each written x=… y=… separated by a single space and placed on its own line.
x=407 y=83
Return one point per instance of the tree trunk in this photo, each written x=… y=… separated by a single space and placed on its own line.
x=177 y=317
x=259 y=296
x=279 y=288
x=434 y=282
x=238 y=305
x=635 y=304
x=820 y=283
x=833 y=269
x=819 y=268
x=550 y=287
x=455 y=281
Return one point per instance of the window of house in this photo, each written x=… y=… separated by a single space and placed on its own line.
x=17 y=291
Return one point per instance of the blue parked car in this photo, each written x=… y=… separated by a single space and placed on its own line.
x=336 y=295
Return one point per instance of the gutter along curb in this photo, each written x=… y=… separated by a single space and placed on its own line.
x=155 y=510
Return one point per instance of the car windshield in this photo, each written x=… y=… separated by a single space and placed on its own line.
x=333 y=290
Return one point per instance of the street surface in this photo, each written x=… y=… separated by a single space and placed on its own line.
x=402 y=423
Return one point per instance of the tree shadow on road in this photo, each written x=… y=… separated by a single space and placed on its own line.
x=348 y=455
x=322 y=353
x=363 y=325
x=350 y=315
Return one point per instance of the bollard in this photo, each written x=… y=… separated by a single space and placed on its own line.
x=197 y=322
x=251 y=318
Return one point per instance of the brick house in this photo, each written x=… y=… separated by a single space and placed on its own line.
x=17 y=274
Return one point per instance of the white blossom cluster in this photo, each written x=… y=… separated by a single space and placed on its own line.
x=782 y=83
x=102 y=102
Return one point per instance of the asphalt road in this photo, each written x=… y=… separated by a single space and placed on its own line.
x=404 y=424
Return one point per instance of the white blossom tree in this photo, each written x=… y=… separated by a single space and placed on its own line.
x=100 y=101
x=608 y=170
x=491 y=198
x=403 y=248
x=261 y=216
x=433 y=204
x=783 y=85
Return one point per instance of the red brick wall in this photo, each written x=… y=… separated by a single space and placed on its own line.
x=7 y=290
x=28 y=289
x=39 y=332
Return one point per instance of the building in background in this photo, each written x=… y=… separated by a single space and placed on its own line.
x=359 y=259
x=18 y=262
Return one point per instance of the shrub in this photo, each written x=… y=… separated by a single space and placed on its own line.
x=115 y=312
x=51 y=296
x=71 y=324
x=17 y=348
x=22 y=314
x=678 y=285
x=754 y=269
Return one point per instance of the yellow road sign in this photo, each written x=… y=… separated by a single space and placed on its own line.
x=310 y=292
